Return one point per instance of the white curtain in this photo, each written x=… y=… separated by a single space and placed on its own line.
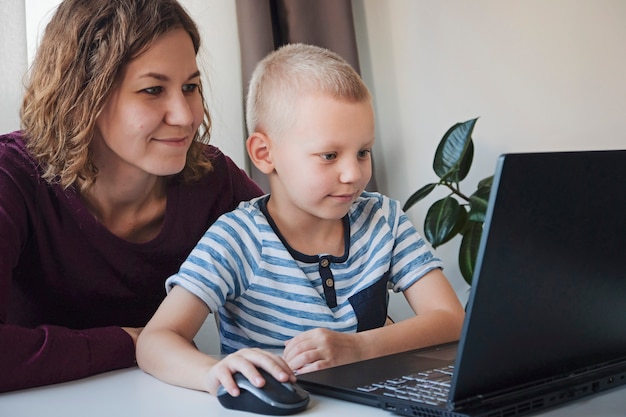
x=13 y=62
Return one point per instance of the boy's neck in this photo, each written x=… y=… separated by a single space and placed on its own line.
x=307 y=234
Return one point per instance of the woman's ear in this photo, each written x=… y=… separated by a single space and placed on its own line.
x=259 y=146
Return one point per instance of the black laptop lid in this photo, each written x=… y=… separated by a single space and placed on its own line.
x=550 y=279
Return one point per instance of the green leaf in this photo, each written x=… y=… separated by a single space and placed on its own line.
x=440 y=224
x=466 y=161
x=479 y=202
x=469 y=250
x=486 y=182
x=461 y=222
x=455 y=152
x=418 y=195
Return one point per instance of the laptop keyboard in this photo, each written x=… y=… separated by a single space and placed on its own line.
x=427 y=387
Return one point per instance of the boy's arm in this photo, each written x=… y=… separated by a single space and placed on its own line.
x=165 y=349
x=439 y=318
x=438 y=314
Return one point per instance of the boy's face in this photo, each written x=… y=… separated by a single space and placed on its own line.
x=322 y=163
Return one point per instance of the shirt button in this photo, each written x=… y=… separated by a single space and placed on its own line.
x=329 y=282
x=325 y=262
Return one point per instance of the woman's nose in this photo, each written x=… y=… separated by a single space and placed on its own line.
x=178 y=111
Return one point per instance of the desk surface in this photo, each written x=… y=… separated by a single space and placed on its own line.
x=131 y=392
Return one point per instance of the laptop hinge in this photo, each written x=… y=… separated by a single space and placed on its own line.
x=574 y=385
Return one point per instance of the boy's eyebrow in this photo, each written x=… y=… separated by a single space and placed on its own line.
x=164 y=78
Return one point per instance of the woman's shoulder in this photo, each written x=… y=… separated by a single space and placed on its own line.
x=212 y=151
x=14 y=155
x=217 y=192
x=13 y=144
x=215 y=155
x=223 y=165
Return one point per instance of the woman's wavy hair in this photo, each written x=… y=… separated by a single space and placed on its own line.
x=79 y=61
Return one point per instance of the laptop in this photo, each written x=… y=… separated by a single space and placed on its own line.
x=546 y=316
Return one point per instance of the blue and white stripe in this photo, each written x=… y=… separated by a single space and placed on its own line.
x=264 y=296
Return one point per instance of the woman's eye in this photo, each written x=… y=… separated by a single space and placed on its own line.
x=190 y=88
x=328 y=156
x=153 y=91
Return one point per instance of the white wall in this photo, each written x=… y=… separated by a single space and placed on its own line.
x=221 y=63
x=12 y=63
x=541 y=74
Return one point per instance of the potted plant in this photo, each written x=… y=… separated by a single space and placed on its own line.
x=458 y=212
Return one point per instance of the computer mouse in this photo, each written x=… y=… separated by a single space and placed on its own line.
x=274 y=398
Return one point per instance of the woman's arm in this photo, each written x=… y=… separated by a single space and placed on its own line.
x=34 y=356
x=50 y=354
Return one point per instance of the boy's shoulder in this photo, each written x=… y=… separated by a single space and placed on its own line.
x=372 y=205
x=245 y=222
x=253 y=205
x=375 y=198
x=249 y=209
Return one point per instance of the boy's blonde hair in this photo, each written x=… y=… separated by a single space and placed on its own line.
x=79 y=62
x=290 y=72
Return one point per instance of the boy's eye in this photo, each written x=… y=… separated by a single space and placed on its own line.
x=328 y=156
x=365 y=153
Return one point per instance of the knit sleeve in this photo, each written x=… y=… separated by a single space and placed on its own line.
x=50 y=354
x=42 y=355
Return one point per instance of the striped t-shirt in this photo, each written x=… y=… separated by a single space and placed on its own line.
x=266 y=292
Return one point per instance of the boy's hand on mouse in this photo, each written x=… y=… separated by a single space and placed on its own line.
x=321 y=348
x=246 y=361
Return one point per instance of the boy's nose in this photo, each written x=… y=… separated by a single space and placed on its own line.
x=351 y=171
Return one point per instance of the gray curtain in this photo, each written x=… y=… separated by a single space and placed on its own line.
x=265 y=25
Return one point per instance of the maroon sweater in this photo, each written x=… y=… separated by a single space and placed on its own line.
x=67 y=284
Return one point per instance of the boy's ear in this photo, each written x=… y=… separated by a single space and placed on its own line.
x=259 y=146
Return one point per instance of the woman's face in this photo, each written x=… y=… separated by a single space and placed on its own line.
x=148 y=123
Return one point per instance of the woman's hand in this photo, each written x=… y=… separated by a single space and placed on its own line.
x=246 y=361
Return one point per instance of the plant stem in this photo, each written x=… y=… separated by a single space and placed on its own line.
x=456 y=190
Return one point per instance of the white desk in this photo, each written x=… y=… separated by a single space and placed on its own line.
x=132 y=393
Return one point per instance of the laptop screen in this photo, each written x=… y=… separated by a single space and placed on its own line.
x=551 y=272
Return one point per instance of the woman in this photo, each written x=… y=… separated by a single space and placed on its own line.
x=106 y=189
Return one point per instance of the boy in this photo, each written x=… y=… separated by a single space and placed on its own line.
x=307 y=267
